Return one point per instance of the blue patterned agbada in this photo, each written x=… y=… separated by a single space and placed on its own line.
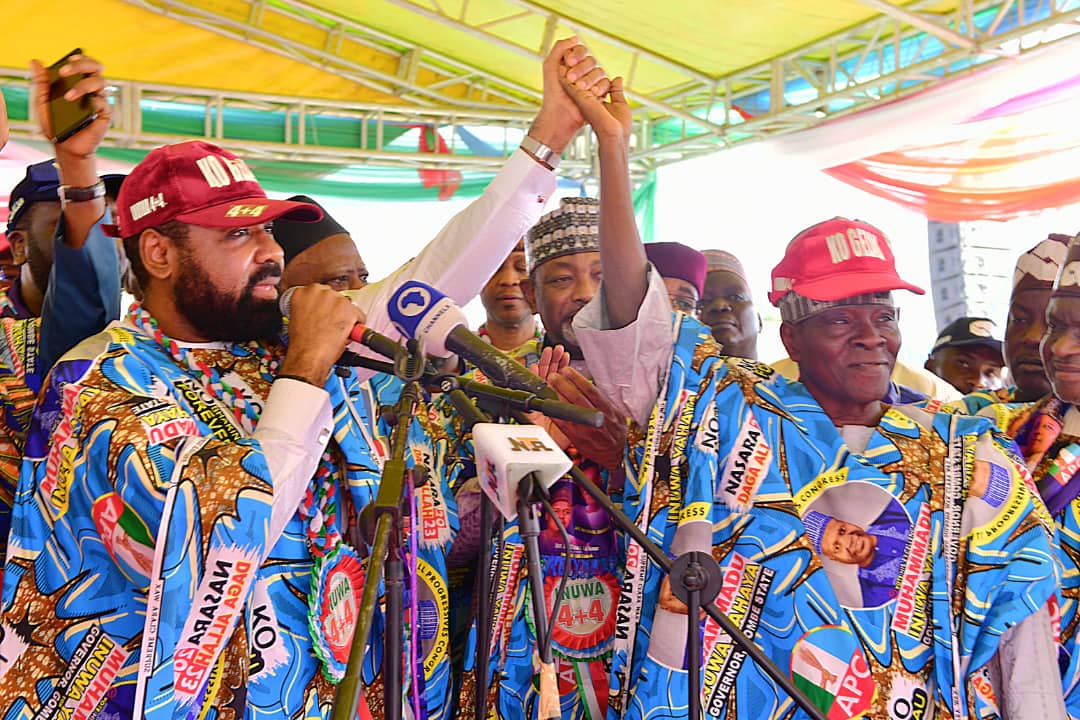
x=747 y=456
x=218 y=626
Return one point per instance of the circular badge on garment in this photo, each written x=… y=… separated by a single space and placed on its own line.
x=333 y=608
x=585 y=621
x=828 y=665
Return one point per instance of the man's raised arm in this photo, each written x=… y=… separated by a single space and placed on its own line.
x=625 y=331
x=470 y=248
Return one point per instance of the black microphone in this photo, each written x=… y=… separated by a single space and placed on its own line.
x=422 y=312
x=360 y=333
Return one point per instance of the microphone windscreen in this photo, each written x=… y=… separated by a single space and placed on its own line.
x=420 y=311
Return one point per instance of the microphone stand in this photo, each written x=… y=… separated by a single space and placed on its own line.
x=471 y=415
x=695 y=572
x=529 y=529
x=529 y=491
x=385 y=560
x=697 y=580
x=696 y=577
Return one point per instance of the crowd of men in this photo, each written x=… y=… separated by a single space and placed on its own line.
x=183 y=484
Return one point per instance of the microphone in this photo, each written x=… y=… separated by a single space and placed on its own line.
x=507 y=453
x=511 y=461
x=361 y=334
x=422 y=312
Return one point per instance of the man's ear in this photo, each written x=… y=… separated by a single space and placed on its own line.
x=17 y=240
x=789 y=335
x=159 y=254
x=931 y=365
x=529 y=291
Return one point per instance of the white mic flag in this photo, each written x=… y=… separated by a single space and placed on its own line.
x=507 y=453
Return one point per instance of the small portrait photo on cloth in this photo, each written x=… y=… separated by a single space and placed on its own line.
x=861 y=534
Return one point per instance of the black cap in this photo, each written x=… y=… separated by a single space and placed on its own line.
x=296 y=237
x=968 y=331
x=113 y=181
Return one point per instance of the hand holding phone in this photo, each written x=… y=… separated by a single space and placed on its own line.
x=67 y=117
x=69 y=97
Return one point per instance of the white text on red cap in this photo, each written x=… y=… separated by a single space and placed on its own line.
x=860 y=242
x=147 y=205
x=214 y=167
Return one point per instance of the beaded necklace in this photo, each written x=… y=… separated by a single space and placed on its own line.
x=336 y=567
x=319 y=506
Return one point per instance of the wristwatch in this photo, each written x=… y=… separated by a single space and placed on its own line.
x=540 y=151
x=82 y=194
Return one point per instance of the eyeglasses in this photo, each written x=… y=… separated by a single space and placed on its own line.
x=684 y=303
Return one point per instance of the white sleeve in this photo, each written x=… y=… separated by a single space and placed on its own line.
x=628 y=364
x=1024 y=671
x=472 y=246
x=293 y=431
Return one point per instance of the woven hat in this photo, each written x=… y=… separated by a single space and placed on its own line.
x=725 y=261
x=1037 y=268
x=815 y=523
x=573 y=227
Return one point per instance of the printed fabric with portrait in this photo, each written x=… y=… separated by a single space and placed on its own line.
x=1047 y=433
x=240 y=616
x=20 y=380
x=583 y=626
x=839 y=565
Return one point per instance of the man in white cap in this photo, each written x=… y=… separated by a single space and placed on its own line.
x=1047 y=429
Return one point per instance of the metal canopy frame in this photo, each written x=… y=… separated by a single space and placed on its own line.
x=898 y=52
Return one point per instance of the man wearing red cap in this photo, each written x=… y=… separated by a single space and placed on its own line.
x=182 y=524
x=147 y=432
x=752 y=462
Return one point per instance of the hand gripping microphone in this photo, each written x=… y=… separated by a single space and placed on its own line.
x=422 y=312
x=361 y=334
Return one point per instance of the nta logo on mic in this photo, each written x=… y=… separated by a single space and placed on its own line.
x=528 y=444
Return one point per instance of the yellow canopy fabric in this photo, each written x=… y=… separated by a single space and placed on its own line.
x=708 y=37
x=137 y=44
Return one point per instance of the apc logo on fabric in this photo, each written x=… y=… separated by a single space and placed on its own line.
x=829 y=666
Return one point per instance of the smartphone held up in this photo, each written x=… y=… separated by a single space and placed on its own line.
x=67 y=117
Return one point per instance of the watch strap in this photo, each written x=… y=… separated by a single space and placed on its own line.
x=69 y=193
x=540 y=151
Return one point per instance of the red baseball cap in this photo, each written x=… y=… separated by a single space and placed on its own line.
x=199 y=183
x=837 y=259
